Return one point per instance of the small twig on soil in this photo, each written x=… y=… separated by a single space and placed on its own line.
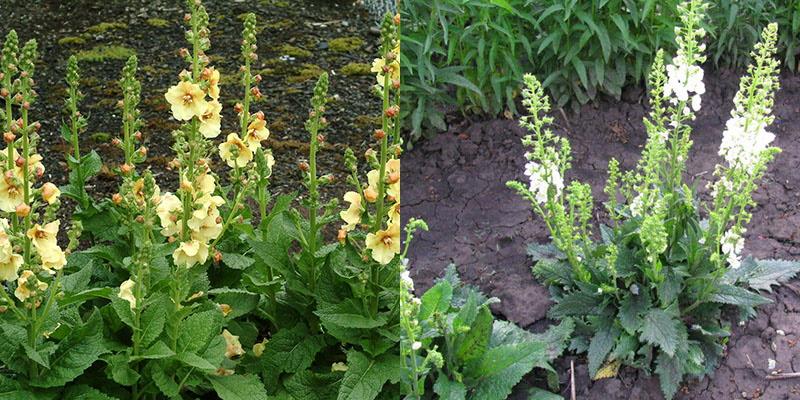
x=787 y=375
x=572 y=379
x=566 y=120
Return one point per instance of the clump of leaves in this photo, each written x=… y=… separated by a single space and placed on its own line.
x=652 y=293
x=453 y=345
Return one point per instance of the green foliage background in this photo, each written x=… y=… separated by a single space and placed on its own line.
x=472 y=54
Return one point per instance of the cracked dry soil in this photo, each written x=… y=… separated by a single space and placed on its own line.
x=483 y=227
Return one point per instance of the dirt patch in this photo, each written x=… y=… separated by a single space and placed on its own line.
x=483 y=227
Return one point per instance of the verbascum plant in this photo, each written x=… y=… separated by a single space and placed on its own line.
x=652 y=292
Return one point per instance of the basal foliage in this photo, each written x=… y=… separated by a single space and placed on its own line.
x=653 y=291
x=186 y=291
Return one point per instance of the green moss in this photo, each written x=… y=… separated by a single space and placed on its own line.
x=158 y=22
x=355 y=68
x=104 y=27
x=306 y=72
x=367 y=121
x=71 y=40
x=278 y=25
x=105 y=52
x=101 y=137
x=293 y=51
x=345 y=44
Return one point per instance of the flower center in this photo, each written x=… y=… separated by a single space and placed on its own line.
x=188 y=99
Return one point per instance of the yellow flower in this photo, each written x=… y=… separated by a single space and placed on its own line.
x=235 y=152
x=168 y=212
x=187 y=100
x=258 y=348
x=46 y=243
x=393 y=177
x=204 y=185
x=50 y=193
x=385 y=244
x=25 y=286
x=233 y=349
x=126 y=292
x=394 y=70
x=190 y=253
x=256 y=133
x=11 y=191
x=9 y=262
x=206 y=222
x=352 y=216
x=394 y=214
x=211 y=120
x=371 y=192
x=213 y=82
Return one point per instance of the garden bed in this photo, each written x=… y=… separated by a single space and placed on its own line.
x=298 y=40
x=481 y=226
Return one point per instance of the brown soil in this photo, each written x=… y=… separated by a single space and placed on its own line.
x=483 y=227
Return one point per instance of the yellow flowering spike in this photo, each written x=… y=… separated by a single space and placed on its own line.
x=235 y=152
x=187 y=101
x=211 y=120
x=371 y=192
x=190 y=253
x=256 y=133
x=26 y=287
x=212 y=75
x=394 y=214
x=393 y=175
x=377 y=68
x=233 y=349
x=352 y=216
x=206 y=222
x=168 y=212
x=50 y=193
x=11 y=192
x=126 y=292
x=45 y=241
x=385 y=244
x=9 y=261
x=204 y=184
x=608 y=371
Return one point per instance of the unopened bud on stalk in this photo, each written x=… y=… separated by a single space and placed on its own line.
x=18 y=98
x=138 y=135
x=26 y=105
x=341 y=236
x=321 y=138
x=217 y=257
x=259 y=115
x=303 y=166
x=37 y=126
x=20 y=162
x=120 y=104
x=116 y=198
x=184 y=52
x=4 y=93
x=116 y=142
x=396 y=19
x=140 y=219
x=126 y=168
x=395 y=84
x=392 y=111
x=9 y=137
x=257 y=78
x=187 y=17
x=238 y=107
x=171 y=239
x=253 y=56
x=186 y=186
x=379 y=134
x=218 y=220
x=323 y=121
x=39 y=172
x=143 y=151
x=23 y=210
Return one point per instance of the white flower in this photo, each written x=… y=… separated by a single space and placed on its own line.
x=732 y=245
x=542 y=178
x=743 y=141
x=416 y=346
x=636 y=206
x=684 y=81
x=405 y=277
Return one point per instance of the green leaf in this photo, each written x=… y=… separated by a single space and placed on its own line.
x=348 y=314
x=153 y=319
x=241 y=301
x=198 y=329
x=436 y=299
x=292 y=350
x=123 y=309
x=670 y=374
x=307 y=385
x=502 y=368
x=88 y=294
x=574 y=304
x=541 y=394
x=601 y=344
x=660 y=329
x=121 y=371
x=630 y=311
x=79 y=350
x=449 y=390
x=86 y=392
x=474 y=343
x=157 y=351
x=365 y=376
x=763 y=274
x=193 y=360
x=236 y=261
x=734 y=295
x=238 y=387
x=556 y=337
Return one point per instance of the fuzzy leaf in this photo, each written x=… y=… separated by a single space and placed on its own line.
x=236 y=261
x=153 y=319
x=601 y=344
x=659 y=328
x=365 y=377
x=763 y=274
x=79 y=350
x=307 y=385
x=474 y=343
x=734 y=295
x=669 y=373
x=238 y=387
x=348 y=314
x=630 y=310
x=198 y=330
x=436 y=299
x=502 y=368
x=240 y=301
x=556 y=337
x=449 y=390
x=292 y=350
x=574 y=304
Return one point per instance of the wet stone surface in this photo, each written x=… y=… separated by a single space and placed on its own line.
x=483 y=227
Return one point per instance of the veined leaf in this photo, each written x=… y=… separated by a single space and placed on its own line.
x=365 y=377
x=238 y=387
x=436 y=299
x=734 y=295
x=660 y=329
x=502 y=367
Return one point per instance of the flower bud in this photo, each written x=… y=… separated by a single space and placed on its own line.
x=116 y=198
x=116 y=142
x=9 y=137
x=379 y=134
x=140 y=219
x=341 y=236
x=23 y=210
x=138 y=135
x=321 y=138
x=259 y=115
x=303 y=166
x=26 y=105
x=395 y=84
x=187 y=17
x=392 y=111
x=126 y=168
x=20 y=162
x=396 y=19
x=39 y=172
x=257 y=78
x=184 y=52
x=143 y=151
x=238 y=107
x=37 y=126
x=4 y=93
x=217 y=257
x=50 y=192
